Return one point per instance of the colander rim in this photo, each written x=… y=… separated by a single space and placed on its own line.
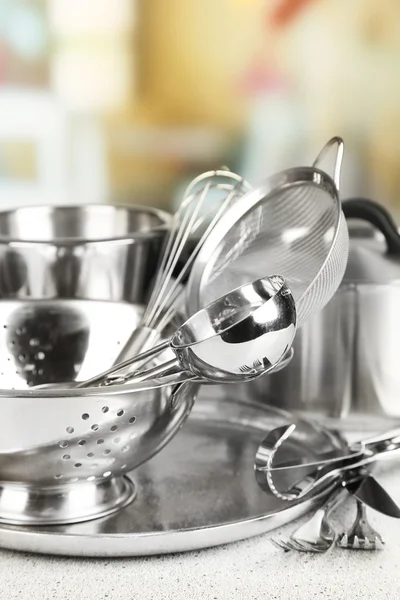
x=79 y=393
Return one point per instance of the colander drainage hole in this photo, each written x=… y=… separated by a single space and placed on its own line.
x=90 y=454
x=105 y=409
x=63 y=444
x=70 y=430
x=132 y=420
x=117 y=440
x=90 y=478
x=100 y=441
x=77 y=465
x=81 y=442
x=94 y=427
x=120 y=413
x=107 y=452
x=107 y=474
x=58 y=476
x=66 y=456
x=85 y=416
x=125 y=448
x=113 y=428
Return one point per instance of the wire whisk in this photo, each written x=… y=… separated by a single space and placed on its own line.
x=204 y=202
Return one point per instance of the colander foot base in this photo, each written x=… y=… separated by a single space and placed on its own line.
x=68 y=503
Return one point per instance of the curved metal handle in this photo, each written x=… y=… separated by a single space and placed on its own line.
x=339 y=157
x=101 y=377
x=378 y=216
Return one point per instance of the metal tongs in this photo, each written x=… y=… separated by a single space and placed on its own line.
x=312 y=477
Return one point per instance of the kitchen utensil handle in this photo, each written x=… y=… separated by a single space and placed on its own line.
x=101 y=377
x=382 y=441
x=377 y=215
x=170 y=367
x=339 y=158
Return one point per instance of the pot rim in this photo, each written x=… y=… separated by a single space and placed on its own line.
x=164 y=217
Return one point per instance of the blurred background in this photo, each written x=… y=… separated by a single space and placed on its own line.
x=126 y=100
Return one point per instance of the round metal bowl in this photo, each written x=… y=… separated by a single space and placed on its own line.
x=95 y=251
x=64 y=452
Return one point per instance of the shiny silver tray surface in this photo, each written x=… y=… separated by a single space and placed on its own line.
x=199 y=492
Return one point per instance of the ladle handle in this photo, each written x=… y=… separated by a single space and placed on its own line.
x=339 y=158
x=378 y=216
x=170 y=367
x=102 y=377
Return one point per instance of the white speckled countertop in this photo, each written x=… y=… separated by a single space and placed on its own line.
x=250 y=570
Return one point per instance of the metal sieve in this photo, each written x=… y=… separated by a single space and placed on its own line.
x=291 y=224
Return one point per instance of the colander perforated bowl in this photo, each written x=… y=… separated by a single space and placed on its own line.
x=64 y=452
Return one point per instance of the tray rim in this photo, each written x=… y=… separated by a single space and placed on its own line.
x=156 y=543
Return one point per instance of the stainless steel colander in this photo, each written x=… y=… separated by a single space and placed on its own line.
x=64 y=452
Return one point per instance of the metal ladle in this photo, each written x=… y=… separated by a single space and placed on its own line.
x=240 y=336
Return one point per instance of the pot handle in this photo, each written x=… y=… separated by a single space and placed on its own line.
x=377 y=215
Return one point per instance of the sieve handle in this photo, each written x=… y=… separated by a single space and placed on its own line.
x=339 y=158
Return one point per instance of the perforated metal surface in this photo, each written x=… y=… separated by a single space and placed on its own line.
x=292 y=225
x=57 y=441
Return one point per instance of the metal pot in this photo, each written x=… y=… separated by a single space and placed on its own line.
x=345 y=364
x=91 y=252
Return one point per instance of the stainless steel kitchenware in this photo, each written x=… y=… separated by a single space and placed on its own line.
x=195 y=218
x=345 y=364
x=272 y=474
x=94 y=252
x=372 y=494
x=242 y=335
x=361 y=535
x=291 y=224
x=198 y=492
x=64 y=452
x=317 y=534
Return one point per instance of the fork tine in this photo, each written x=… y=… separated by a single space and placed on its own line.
x=361 y=535
x=296 y=545
x=280 y=544
x=360 y=543
x=343 y=540
x=303 y=546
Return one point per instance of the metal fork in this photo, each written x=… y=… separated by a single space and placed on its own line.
x=317 y=534
x=361 y=536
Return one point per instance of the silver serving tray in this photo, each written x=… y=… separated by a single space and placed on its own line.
x=200 y=491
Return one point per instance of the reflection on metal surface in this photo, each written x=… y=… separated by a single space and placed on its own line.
x=59 y=447
x=95 y=252
x=199 y=492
